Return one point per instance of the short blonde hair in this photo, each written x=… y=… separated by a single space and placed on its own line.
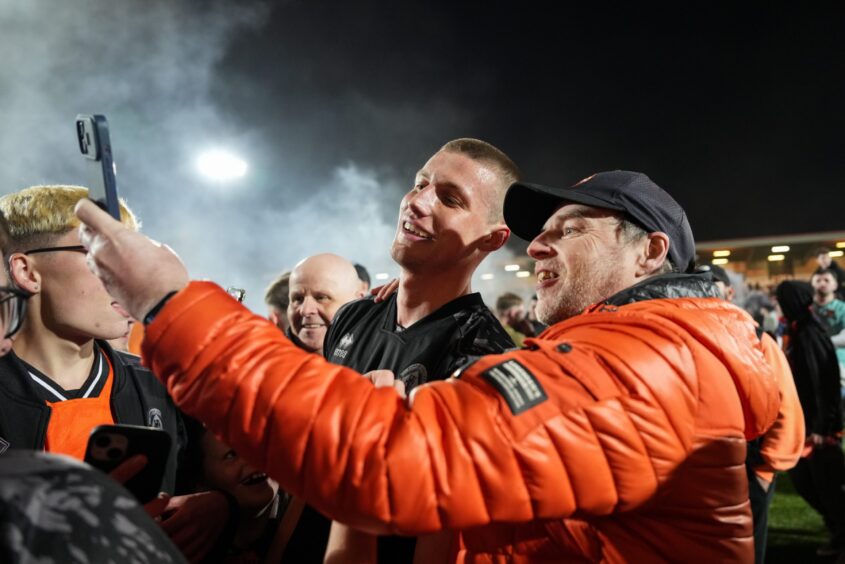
x=39 y=214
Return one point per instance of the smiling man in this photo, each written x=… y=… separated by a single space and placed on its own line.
x=319 y=286
x=618 y=435
x=448 y=222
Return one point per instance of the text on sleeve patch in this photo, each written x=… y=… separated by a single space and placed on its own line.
x=517 y=385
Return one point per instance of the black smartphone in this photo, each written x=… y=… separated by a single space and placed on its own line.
x=92 y=132
x=110 y=445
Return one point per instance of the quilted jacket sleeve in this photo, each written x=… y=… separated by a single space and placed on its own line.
x=781 y=445
x=456 y=456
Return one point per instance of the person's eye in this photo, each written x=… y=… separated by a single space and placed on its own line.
x=323 y=298
x=230 y=455
x=569 y=231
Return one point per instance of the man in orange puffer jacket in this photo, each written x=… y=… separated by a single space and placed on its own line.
x=618 y=435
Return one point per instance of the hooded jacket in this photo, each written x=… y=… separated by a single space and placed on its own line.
x=618 y=435
x=812 y=357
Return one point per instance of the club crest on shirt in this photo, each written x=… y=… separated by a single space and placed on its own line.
x=343 y=347
x=414 y=375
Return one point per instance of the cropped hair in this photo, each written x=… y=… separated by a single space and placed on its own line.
x=277 y=294
x=38 y=215
x=484 y=152
x=823 y=271
x=507 y=301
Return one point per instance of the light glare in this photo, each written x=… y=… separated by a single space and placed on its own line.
x=776 y=258
x=487 y=276
x=720 y=261
x=835 y=254
x=221 y=165
x=724 y=253
x=511 y=267
x=780 y=249
x=382 y=276
x=523 y=274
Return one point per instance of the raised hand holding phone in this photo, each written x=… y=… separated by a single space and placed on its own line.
x=92 y=133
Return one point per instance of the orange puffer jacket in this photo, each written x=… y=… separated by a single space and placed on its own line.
x=617 y=436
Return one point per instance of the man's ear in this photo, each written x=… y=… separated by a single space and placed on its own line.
x=654 y=253
x=23 y=273
x=496 y=239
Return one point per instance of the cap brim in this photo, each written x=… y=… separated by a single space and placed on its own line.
x=528 y=206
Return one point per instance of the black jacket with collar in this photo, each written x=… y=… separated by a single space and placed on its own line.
x=137 y=398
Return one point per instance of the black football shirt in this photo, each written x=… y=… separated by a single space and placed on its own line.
x=364 y=336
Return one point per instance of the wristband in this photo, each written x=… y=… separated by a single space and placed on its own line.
x=158 y=307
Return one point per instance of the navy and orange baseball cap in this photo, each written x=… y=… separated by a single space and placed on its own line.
x=529 y=206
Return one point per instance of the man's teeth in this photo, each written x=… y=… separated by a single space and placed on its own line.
x=408 y=227
x=254 y=478
x=545 y=275
x=312 y=325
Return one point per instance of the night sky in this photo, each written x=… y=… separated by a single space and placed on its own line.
x=735 y=110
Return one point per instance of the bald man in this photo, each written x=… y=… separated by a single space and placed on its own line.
x=319 y=285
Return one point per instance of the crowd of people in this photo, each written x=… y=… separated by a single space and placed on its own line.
x=626 y=412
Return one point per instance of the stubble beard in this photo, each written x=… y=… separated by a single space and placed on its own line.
x=581 y=288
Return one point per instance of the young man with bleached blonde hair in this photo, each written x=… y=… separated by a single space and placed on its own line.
x=62 y=378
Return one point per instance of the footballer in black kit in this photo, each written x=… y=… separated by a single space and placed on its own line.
x=364 y=335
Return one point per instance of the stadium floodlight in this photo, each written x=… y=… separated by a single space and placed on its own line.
x=221 y=165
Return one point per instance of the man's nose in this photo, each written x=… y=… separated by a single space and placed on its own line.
x=539 y=248
x=420 y=201
x=308 y=307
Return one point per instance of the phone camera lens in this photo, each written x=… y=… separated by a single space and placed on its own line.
x=114 y=453
x=102 y=441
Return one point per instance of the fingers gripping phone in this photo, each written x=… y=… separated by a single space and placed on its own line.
x=110 y=445
x=92 y=132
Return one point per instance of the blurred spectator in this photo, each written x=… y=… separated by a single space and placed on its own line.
x=825 y=303
x=537 y=325
x=723 y=282
x=277 y=298
x=826 y=262
x=820 y=476
x=510 y=311
x=363 y=276
x=255 y=497
x=756 y=302
x=62 y=378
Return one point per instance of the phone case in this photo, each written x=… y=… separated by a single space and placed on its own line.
x=110 y=445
